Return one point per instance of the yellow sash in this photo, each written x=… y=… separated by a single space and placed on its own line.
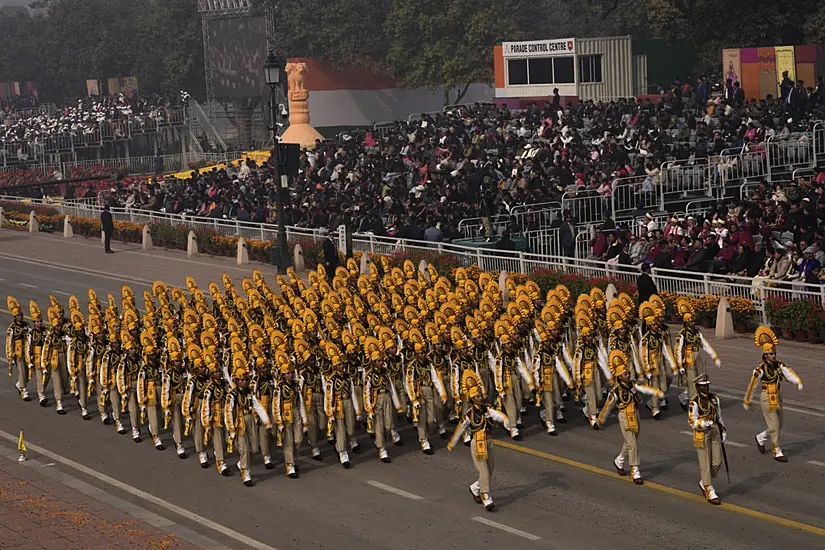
x=481 y=444
x=18 y=349
x=773 y=395
x=287 y=414
x=698 y=439
x=688 y=362
x=587 y=377
x=151 y=397
x=631 y=418
x=53 y=363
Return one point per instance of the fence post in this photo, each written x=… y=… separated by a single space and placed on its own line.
x=34 y=226
x=243 y=253
x=67 y=228
x=191 y=244
x=147 y=239
x=706 y=281
x=522 y=263
x=2 y=219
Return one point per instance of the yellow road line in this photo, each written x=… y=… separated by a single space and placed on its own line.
x=812 y=529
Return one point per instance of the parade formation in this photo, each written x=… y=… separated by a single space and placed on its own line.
x=317 y=360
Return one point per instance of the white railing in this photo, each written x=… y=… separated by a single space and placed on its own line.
x=785 y=156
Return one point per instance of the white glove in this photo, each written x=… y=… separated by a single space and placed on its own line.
x=707 y=424
x=649 y=376
x=746 y=405
x=799 y=387
x=724 y=437
x=681 y=371
x=717 y=362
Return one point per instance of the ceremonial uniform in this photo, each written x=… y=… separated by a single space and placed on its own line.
x=623 y=394
x=263 y=386
x=338 y=403
x=35 y=339
x=424 y=386
x=172 y=391
x=193 y=399
x=16 y=349
x=478 y=419
x=771 y=373
x=690 y=342
x=53 y=358
x=548 y=369
x=238 y=417
x=655 y=353
x=288 y=413
x=111 y=367
x=77 y=356
x=212 y=412
x=705 y=418
x=379 y=395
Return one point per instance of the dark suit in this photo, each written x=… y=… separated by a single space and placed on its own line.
x=567 y=236
x=330 y=257
x=108 y=227
x=646 y=287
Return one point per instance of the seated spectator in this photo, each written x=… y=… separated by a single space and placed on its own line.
x=723 y=261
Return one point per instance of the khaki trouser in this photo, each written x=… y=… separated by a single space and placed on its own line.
x=773 y=419
x=177 y=419
x=242 y=442
x=484 y=466
x=359 y=398
x=38 y=375
x=511 y=406
x=316 y=421
x=151 y=413
x=293 y=434
x=383 y=418
x=218 y=443
x=426 y=410
x=443 y=409
x=591 y=397
x=344 y=427
x=691 y=373
x=659 y=381
x=398 y=384
x=60 y=377
x=710 y=457
x=197 y=428
x=83 y=389
x=22 y=373
x=549 y=401
x=630 y=447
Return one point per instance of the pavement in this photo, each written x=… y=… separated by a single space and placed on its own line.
x=552 y=492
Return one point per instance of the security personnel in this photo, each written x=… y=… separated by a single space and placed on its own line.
x=771 y=372
x=479 y=419
x=15 y=348
x=623 y=394
x=705 y=418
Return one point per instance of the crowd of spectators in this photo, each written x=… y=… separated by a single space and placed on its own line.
x=25 y=124
x=774 y=235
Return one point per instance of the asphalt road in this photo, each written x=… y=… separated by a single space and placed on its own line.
x=551 y=492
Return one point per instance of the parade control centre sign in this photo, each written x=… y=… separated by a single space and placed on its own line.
x=539 y=48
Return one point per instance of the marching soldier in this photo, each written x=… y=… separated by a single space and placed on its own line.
x=547 y=369
x=237 y=415
x=107 y=386
x=312 y=393
x=288 y=413
x=211 y=411
x=338 y=403
x=262 y=387
x=53 y=357
x=771 y=372
x=689 y=344
x=478 y=419
x=77 y=355
x=623 y=395
x=654 y=354
x=35 y=340
x=192 y=401
x=146 y=388
x=379 y=395
x=423 y=384
x=15 y=348
x=97 y=350
x=705 y=418
x=173 y=388
x=507 y=370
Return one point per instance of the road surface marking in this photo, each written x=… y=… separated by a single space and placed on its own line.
x=730 y=443
x=391 y=489
x=803 y=411
x=157 y=501
x=27 y=285
x=738 y=397
x=816 y=463
x=45 y=465
x=62 y=293
x=506 y=528
x=78 y=270
x=812 y=529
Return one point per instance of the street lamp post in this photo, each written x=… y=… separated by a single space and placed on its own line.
x=273 y=69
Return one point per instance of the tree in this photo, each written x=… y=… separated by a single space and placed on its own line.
x=447 y=43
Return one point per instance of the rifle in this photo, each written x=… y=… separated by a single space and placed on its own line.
x=724 y=452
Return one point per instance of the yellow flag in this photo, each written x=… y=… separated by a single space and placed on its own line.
x=20 y=445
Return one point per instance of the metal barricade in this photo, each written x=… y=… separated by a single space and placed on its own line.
x=634 y=194
x=785 y=156
x=684 y=179
x=587 y=207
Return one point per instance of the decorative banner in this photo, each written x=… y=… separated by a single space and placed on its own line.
x=805 y=57
x=15 y=88
x=92 y=87
x=31 y=89
x=539 y=48
x=731 y=65
x=784 y=62
x=767 y=72
x=113 y=86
